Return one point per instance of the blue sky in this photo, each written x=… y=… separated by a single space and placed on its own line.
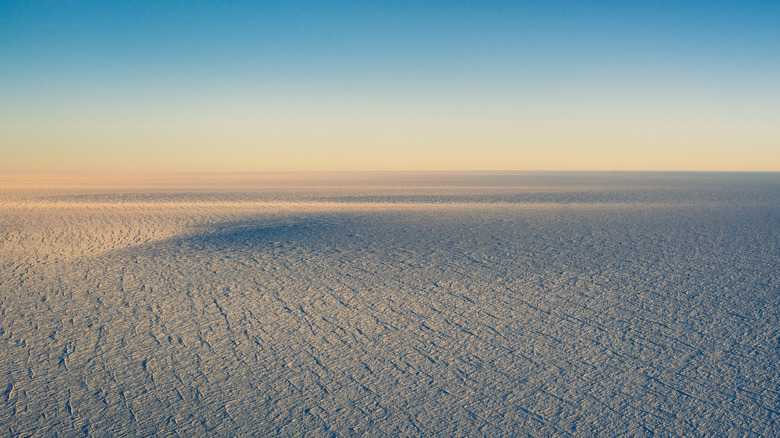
x=220 y=86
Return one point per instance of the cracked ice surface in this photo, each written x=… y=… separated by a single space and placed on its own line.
x=390 y=305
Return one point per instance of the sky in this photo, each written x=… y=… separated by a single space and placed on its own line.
x=117 y=86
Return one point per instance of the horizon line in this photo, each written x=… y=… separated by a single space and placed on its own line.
x=397 y=171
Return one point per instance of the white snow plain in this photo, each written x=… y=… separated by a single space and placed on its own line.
x=390 y=304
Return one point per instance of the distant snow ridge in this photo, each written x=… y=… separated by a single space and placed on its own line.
x=393 y=305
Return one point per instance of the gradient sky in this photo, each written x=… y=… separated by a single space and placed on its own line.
x=104 y=86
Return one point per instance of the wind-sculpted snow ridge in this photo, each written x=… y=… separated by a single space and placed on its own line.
x=516 y=304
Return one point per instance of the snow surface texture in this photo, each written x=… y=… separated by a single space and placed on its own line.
x=390 y=305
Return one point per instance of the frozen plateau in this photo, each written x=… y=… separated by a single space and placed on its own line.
x=390 y=304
